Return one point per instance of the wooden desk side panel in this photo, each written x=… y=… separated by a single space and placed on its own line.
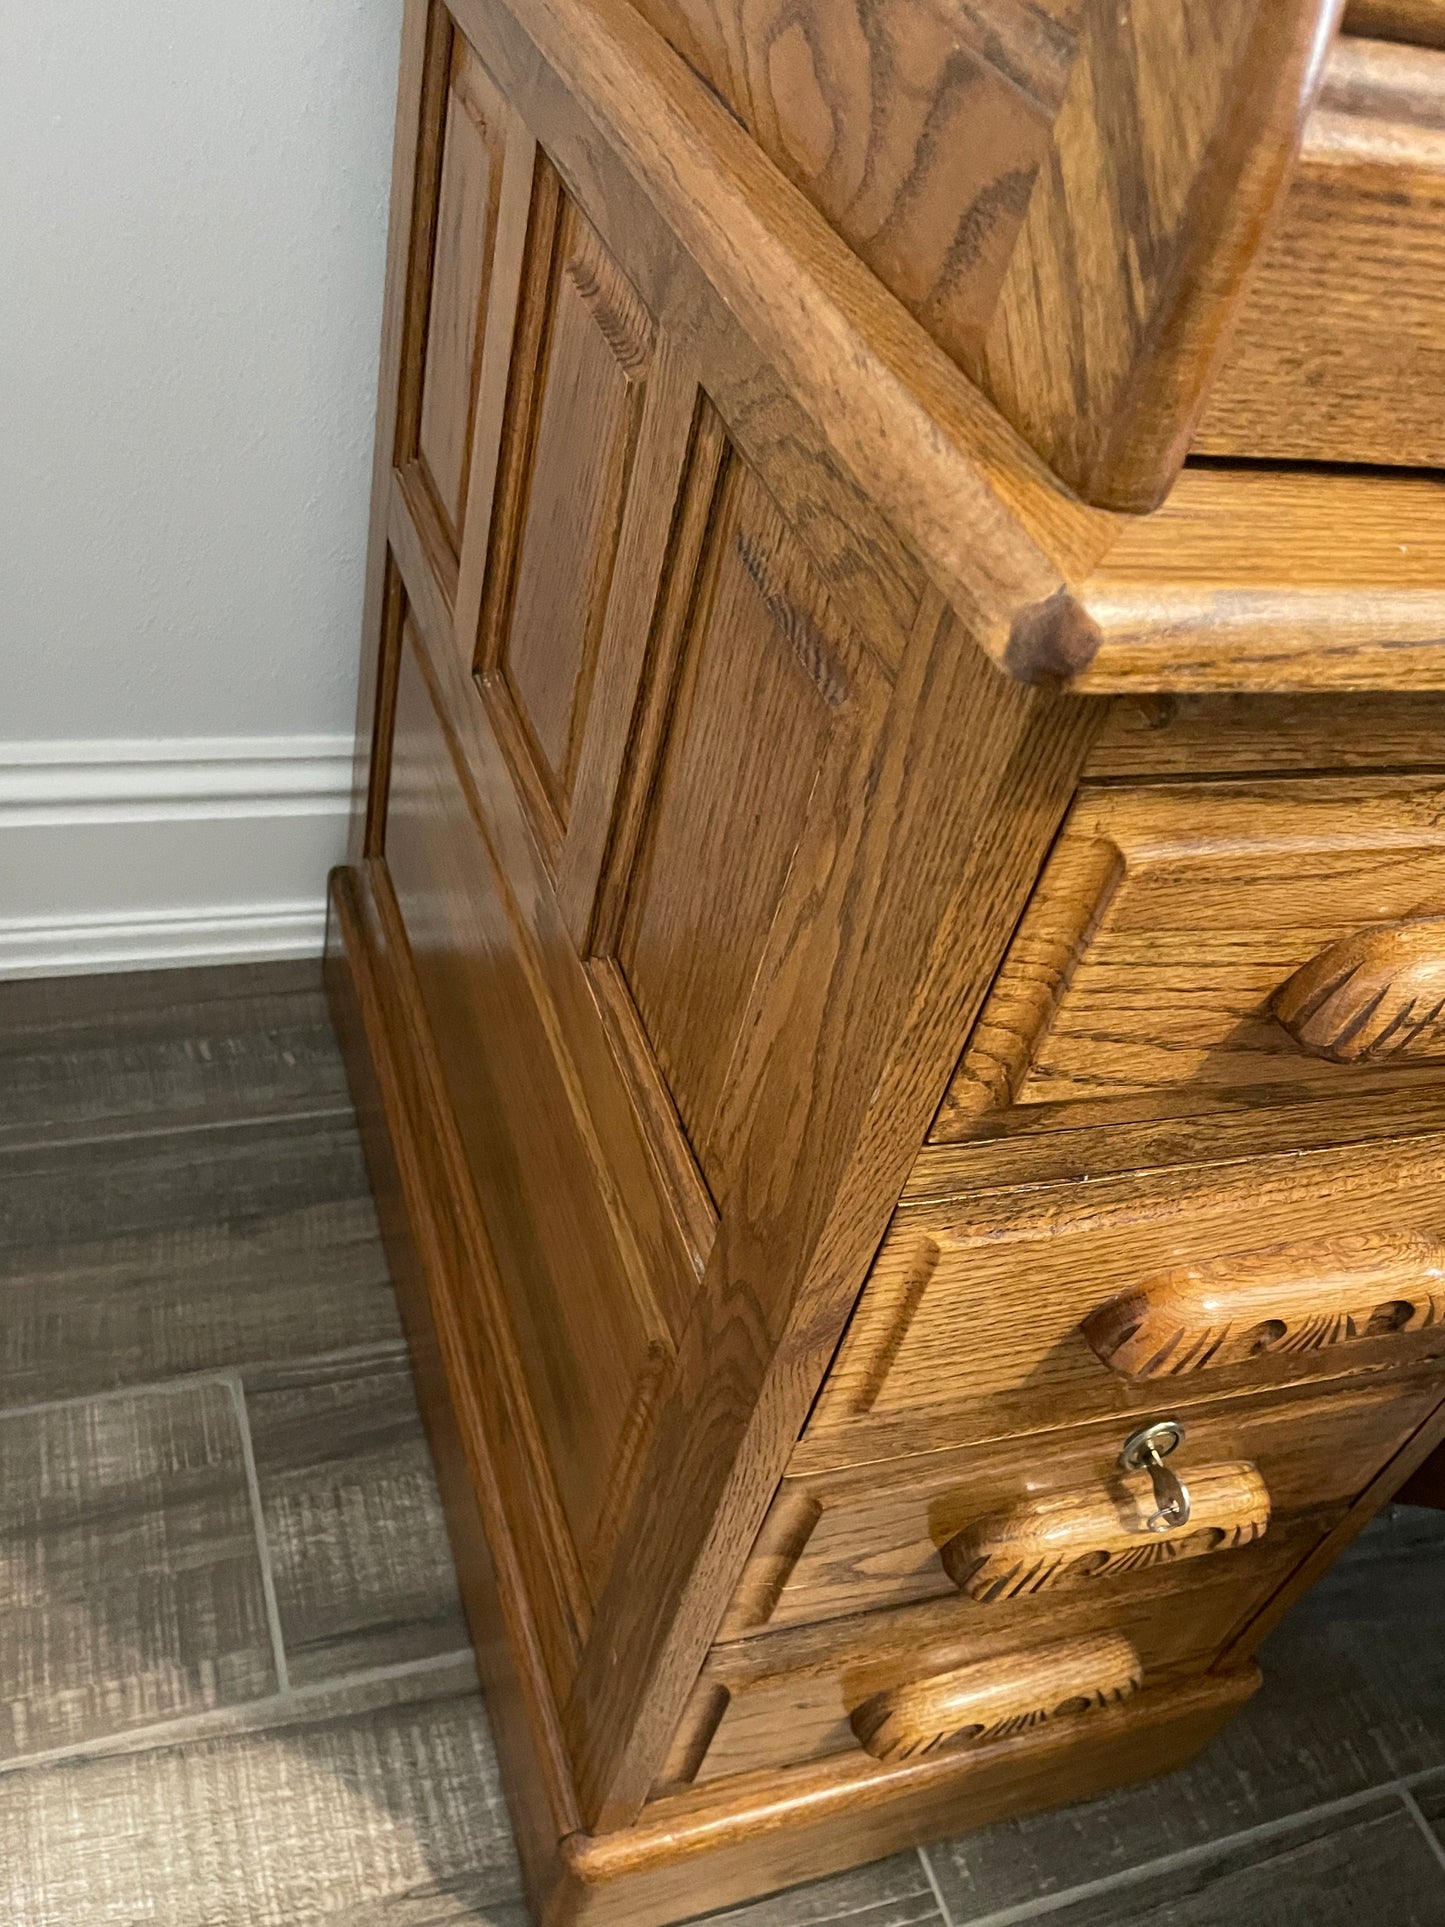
x=1067 y=195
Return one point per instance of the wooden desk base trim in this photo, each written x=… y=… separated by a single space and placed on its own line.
x=735 y=1839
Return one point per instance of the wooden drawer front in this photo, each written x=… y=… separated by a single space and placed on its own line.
x=875 y=1536
x=971 y=1324
x=1172 y=916
x=789 y=1697
x=1339 y=351
x=1419 y=21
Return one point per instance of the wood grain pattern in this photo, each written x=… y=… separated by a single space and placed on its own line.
x=957 y=149
x=1102 y=1530
x=1177 y=135
x=1338 y=352
x=1301 y=1296
x=133 y=1579
x=716 y=1848
x=1163 y=931
x=992 y=1345
x=517 y=1600
x=974 y=1704
x=551 y=569
x=594 y=1343
x=790 y=1696
x=772 y=698
x=1266 y=580
x=468 y=194
x=425 y=59
x=1377 y=995
x=878 y=1527
x=1420 y=22
x=718 y=1845
x=900 y=420
x=1184 y=735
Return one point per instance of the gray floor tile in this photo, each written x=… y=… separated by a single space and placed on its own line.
x=358 y=1545
x=1354 y=1695
x=890 y=1893
x=92 y=1056
x=1368 y=1868
x=148 y=1258
x=383 y=1818
x=129 y=1571
x=1430 y=1798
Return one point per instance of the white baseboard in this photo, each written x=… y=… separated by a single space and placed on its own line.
x=133 y=855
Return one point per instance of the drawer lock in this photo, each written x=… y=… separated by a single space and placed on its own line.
x=1146 y=1451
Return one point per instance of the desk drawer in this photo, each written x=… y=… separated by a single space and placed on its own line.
x=1053 y=1517
x=1200 y=946
x=791 y=1697
x=1021 y=1310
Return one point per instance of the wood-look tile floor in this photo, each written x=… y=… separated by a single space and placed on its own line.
x=234 y=1683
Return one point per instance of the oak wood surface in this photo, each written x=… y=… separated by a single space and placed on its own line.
x=1377 y=995
x=789 y=1697
x=866 y=1536
x=702 y=1847
x=822 y=1815
x=424 y=61
x=1269 y=579
x=1100 y=1530
x=1421 y=22
x=972 y=1323
x=1186 y=735
x=1169 y=924
x=1338 y=351
x=498 y=1571
x=1067 y=198
x=1299 y=1296
x=468 y=195
x=973 y=1704
x=708 y=816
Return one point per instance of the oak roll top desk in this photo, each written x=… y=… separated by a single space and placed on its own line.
x=893 y=951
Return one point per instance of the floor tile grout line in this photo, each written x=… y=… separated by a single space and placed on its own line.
x=189 y=1727
x=263 y=1542
x=1432 y=1839
x=1021 y=1913
x=196 y=1127
x=382 y=1351
x=932 y=1878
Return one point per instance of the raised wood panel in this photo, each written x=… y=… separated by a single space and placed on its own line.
x=767 y=677
x=593 y=1344
x=571 y=438
x=970 y=1326
x=1339 y=351
x=870 y=1537
x=1168 y=920
x=468 y=195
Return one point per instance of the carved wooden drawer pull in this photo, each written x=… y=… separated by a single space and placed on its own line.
x=1283 y=1298
x=1372 y=995
x=1091 y=1532
x=996 y=1698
